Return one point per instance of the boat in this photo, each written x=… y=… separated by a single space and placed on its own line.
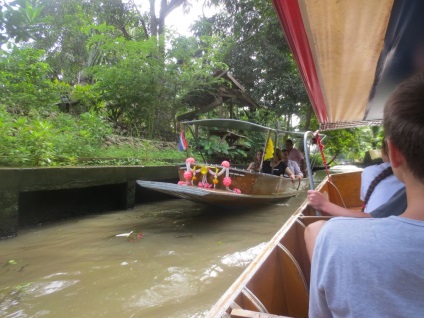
x=350 y=55
x=226 y=186
x=276 y=282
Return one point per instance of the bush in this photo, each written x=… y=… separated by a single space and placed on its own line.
x=49 y=139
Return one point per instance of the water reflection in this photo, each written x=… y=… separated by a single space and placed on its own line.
x=187 y=257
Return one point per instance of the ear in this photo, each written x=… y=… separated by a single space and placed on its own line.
x=395 y=156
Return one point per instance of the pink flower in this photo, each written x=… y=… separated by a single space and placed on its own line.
x=190 y=160
x=181 y=182
x=187 y=175
x=225 y=164
x=227 y=181
x=237 y=190
x=200 y=184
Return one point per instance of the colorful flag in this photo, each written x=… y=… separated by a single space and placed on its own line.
x=183 y=144
x=269 y=150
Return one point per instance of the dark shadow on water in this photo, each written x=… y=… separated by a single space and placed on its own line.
x=183 y=218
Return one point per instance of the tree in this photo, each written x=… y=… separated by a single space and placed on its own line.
x=22 y=19
x=259 y=57
x=24 y=79
x=157 y=22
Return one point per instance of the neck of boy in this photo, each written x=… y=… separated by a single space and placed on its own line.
x=415 y=199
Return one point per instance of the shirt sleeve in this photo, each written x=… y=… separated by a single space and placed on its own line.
x=395 y=206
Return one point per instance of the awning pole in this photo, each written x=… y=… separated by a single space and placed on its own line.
x=308 y=162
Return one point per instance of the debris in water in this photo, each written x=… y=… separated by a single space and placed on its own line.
x=124 y=234
x=135 y=237
x=132 y=236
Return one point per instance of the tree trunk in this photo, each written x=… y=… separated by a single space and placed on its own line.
x=308 y=118
x=153 y=19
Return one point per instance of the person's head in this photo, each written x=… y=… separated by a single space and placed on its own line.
x=278 y=154
x=285 y=154
x=259 y=155
x=289 y=144
x=404 y=125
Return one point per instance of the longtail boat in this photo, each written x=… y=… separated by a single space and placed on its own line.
x=226 y=186
x=351 y=54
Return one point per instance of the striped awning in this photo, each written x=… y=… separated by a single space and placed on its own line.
x=352 y=53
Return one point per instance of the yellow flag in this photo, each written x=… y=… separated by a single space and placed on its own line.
x=269 y=150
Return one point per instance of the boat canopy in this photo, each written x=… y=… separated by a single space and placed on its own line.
x=236 y=124
x=351 y=54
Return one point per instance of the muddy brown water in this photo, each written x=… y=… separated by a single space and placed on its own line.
x=180 y=258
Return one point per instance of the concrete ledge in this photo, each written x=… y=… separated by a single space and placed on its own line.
x=36 y=195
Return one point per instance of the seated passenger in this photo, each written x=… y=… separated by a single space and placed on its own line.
x=296 y=155
x=279 y=167
x=378 y=183
x=266 y=167
x=256 y=164
x=350 y=252
x=396 y=205
x=293 y=166
x=383 y=186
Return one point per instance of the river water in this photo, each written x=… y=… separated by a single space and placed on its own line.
x=177 y=262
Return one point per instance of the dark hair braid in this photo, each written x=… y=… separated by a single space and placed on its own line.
x=381 y=176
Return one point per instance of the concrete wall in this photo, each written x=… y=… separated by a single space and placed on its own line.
x=37 y=195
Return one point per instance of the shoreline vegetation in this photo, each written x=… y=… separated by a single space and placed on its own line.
x=120 y=150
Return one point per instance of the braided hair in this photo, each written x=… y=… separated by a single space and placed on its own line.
x=380 y=177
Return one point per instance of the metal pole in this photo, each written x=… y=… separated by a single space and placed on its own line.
x=308 y=162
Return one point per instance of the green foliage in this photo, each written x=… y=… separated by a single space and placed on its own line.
x=145 y=155
x=102 y=54
x=214 y=146
x=88 y=98
x=48 y=139
x=22 y=19
x=24 y=79
x=352 y=143
x=130 y=84
x=259 y=57
x=216 y=149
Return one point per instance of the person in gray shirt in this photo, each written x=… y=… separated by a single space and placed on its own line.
x=373 y=267
x=396 y=205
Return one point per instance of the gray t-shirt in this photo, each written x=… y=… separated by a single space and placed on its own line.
x=395 y=206
x=368 y=268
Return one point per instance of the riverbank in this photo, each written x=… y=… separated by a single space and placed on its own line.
x=31 y=196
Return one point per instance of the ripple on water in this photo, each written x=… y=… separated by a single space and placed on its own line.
x=178 y=278
x=43 y=289
x=243 y=258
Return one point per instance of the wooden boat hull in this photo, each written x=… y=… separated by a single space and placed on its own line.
x=214 y=197
x=255 y=189
x=253 y=183
x=277 y=281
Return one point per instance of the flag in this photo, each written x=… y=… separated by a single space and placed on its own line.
x=269 y=150
x=183 y=144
